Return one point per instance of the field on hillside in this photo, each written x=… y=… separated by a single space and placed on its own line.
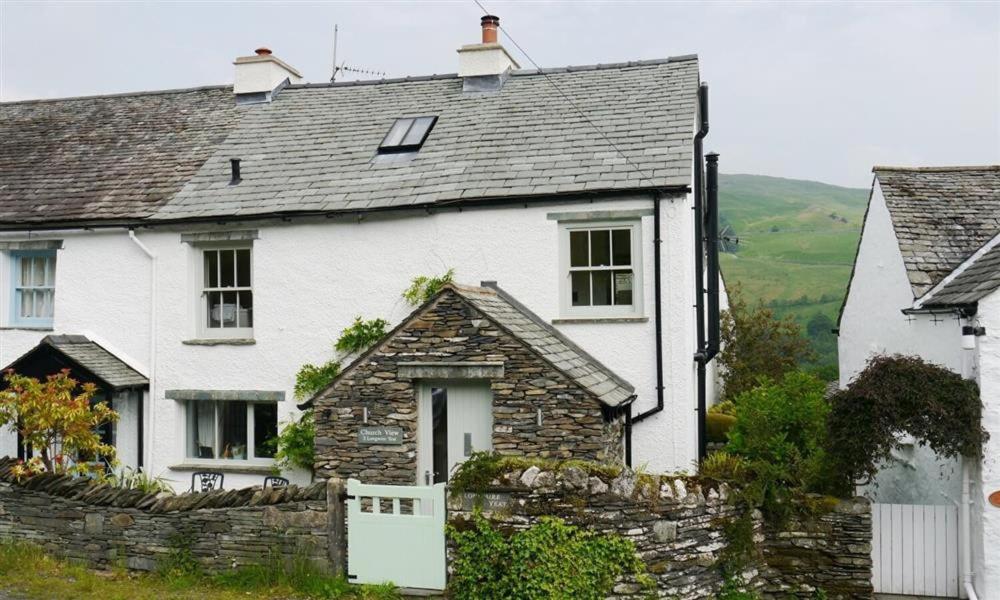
x=796 y=244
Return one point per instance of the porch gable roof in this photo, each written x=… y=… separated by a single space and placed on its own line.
x=87 y=360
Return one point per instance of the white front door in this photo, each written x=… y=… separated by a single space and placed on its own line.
x=455 y=420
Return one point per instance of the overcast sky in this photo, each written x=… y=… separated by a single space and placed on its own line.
x=803 y=90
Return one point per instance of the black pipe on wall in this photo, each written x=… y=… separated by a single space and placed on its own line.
x=712 y=250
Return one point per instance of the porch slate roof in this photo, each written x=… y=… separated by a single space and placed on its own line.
x=313 y=149
x=973 y=280
x=941 y=215
x=93 y=357
x=549 y=343
x=105 y=158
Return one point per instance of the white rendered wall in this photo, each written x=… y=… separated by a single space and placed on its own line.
x=985 y=517
x=873 y=323
x=311 y=280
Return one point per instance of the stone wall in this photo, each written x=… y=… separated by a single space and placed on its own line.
x=103 y=526
x=451 y=330
x=677 y=523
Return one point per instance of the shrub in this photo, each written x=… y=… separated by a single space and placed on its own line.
x=311 y=378
x=895 y=395
x=755 y=343
x=295 y=445
x=723 y=466
x=780 y=431
x=422 y=287
x=361 y=335
x=548 y=560
x=134 y=479
x=717 y=426
x=57 y=421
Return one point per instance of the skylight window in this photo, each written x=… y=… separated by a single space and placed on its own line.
x=407 y=135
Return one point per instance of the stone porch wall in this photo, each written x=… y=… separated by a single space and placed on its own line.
x=452 y=331
x=103 y=526
x=676 y=525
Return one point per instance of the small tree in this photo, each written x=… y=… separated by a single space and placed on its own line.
x=55 y=420
x=757 y=344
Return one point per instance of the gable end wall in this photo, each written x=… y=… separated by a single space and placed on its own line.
x=451 y=330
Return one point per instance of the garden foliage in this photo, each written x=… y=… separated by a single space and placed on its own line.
x=896 y=395
x=551 y=560
x=58 y=419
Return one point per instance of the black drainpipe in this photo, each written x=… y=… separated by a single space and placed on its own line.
x=699 y=268
x=657 y=287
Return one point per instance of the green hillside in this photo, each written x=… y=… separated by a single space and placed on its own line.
x=796 y=244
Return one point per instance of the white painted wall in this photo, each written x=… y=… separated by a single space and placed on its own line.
x=873 y=324
x=312 y=278
x=985 y=517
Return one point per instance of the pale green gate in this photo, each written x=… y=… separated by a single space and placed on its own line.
x=395 y=533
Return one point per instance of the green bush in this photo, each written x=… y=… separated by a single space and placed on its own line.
x=295 y=445
x=311 y=378
x=361 y=335
x=550 y=560
x=422 y=287
x=780 y=430
x=717 y=426
x=894 y=395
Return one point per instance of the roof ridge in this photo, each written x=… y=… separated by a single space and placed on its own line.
x=514 y=73
x=199 y=88
x=956 y=168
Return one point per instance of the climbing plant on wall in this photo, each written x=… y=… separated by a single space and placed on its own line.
x=900 y=395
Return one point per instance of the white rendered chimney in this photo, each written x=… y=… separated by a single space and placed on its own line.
x=485 y=66
x=259 y=76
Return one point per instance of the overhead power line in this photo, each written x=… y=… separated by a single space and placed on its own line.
x=566 y=97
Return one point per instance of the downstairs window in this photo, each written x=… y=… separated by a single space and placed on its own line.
x=231 y=430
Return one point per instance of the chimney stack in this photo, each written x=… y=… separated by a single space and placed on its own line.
x=485 y=67
x=261 y=76
x=490 y=25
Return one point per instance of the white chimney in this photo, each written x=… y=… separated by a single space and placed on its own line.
x=484 y=67
x=260 y=76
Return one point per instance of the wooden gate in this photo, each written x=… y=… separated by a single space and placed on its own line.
x=915 y=550
x=395 y=533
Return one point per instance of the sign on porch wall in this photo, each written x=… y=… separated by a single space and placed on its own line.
x=379 y=435
x=488 y=501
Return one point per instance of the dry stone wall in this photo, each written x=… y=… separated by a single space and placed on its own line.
x=676 y=524
x=452 y=331
x=104 y=526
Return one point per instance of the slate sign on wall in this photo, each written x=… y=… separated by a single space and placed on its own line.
x=380 y=435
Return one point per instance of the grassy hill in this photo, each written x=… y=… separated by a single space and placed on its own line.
x=796 y=244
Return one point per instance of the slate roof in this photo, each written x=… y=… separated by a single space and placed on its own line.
x=107 y=367
x=313 y=148
x=941 y=215
x=106 y=158
x=973 y=280
x=549 y=343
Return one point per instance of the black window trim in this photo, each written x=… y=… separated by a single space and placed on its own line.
x=383 y=149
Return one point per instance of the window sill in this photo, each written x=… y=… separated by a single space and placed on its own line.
x=225 y=467
x=220 y=342
x=594 y=320
x=26 y=328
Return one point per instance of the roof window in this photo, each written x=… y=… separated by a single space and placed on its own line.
x=407 y=135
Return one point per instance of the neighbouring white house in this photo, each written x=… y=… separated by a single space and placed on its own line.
x=926 y=282
x=189 y=250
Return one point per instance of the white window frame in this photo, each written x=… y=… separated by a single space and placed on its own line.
x=567 y=310
x=203 y=330
x=189 y=431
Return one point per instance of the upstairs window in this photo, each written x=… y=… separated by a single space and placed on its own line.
x=602 y=266
x=407 y=135
x=33 y=278
x=227 y=293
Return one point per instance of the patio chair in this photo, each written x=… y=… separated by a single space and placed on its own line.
x=275 y=482
x=205 y=481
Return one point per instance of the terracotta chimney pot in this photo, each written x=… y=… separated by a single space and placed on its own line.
x=262 y=51
x=490 y=24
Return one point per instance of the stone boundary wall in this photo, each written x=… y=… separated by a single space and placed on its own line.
x=676 y=524
x=105 y=526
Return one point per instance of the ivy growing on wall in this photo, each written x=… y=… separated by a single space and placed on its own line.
x=896 y=395
x=550 y=559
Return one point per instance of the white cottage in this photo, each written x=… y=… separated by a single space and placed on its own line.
x=189 y=250
x=926 y=282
